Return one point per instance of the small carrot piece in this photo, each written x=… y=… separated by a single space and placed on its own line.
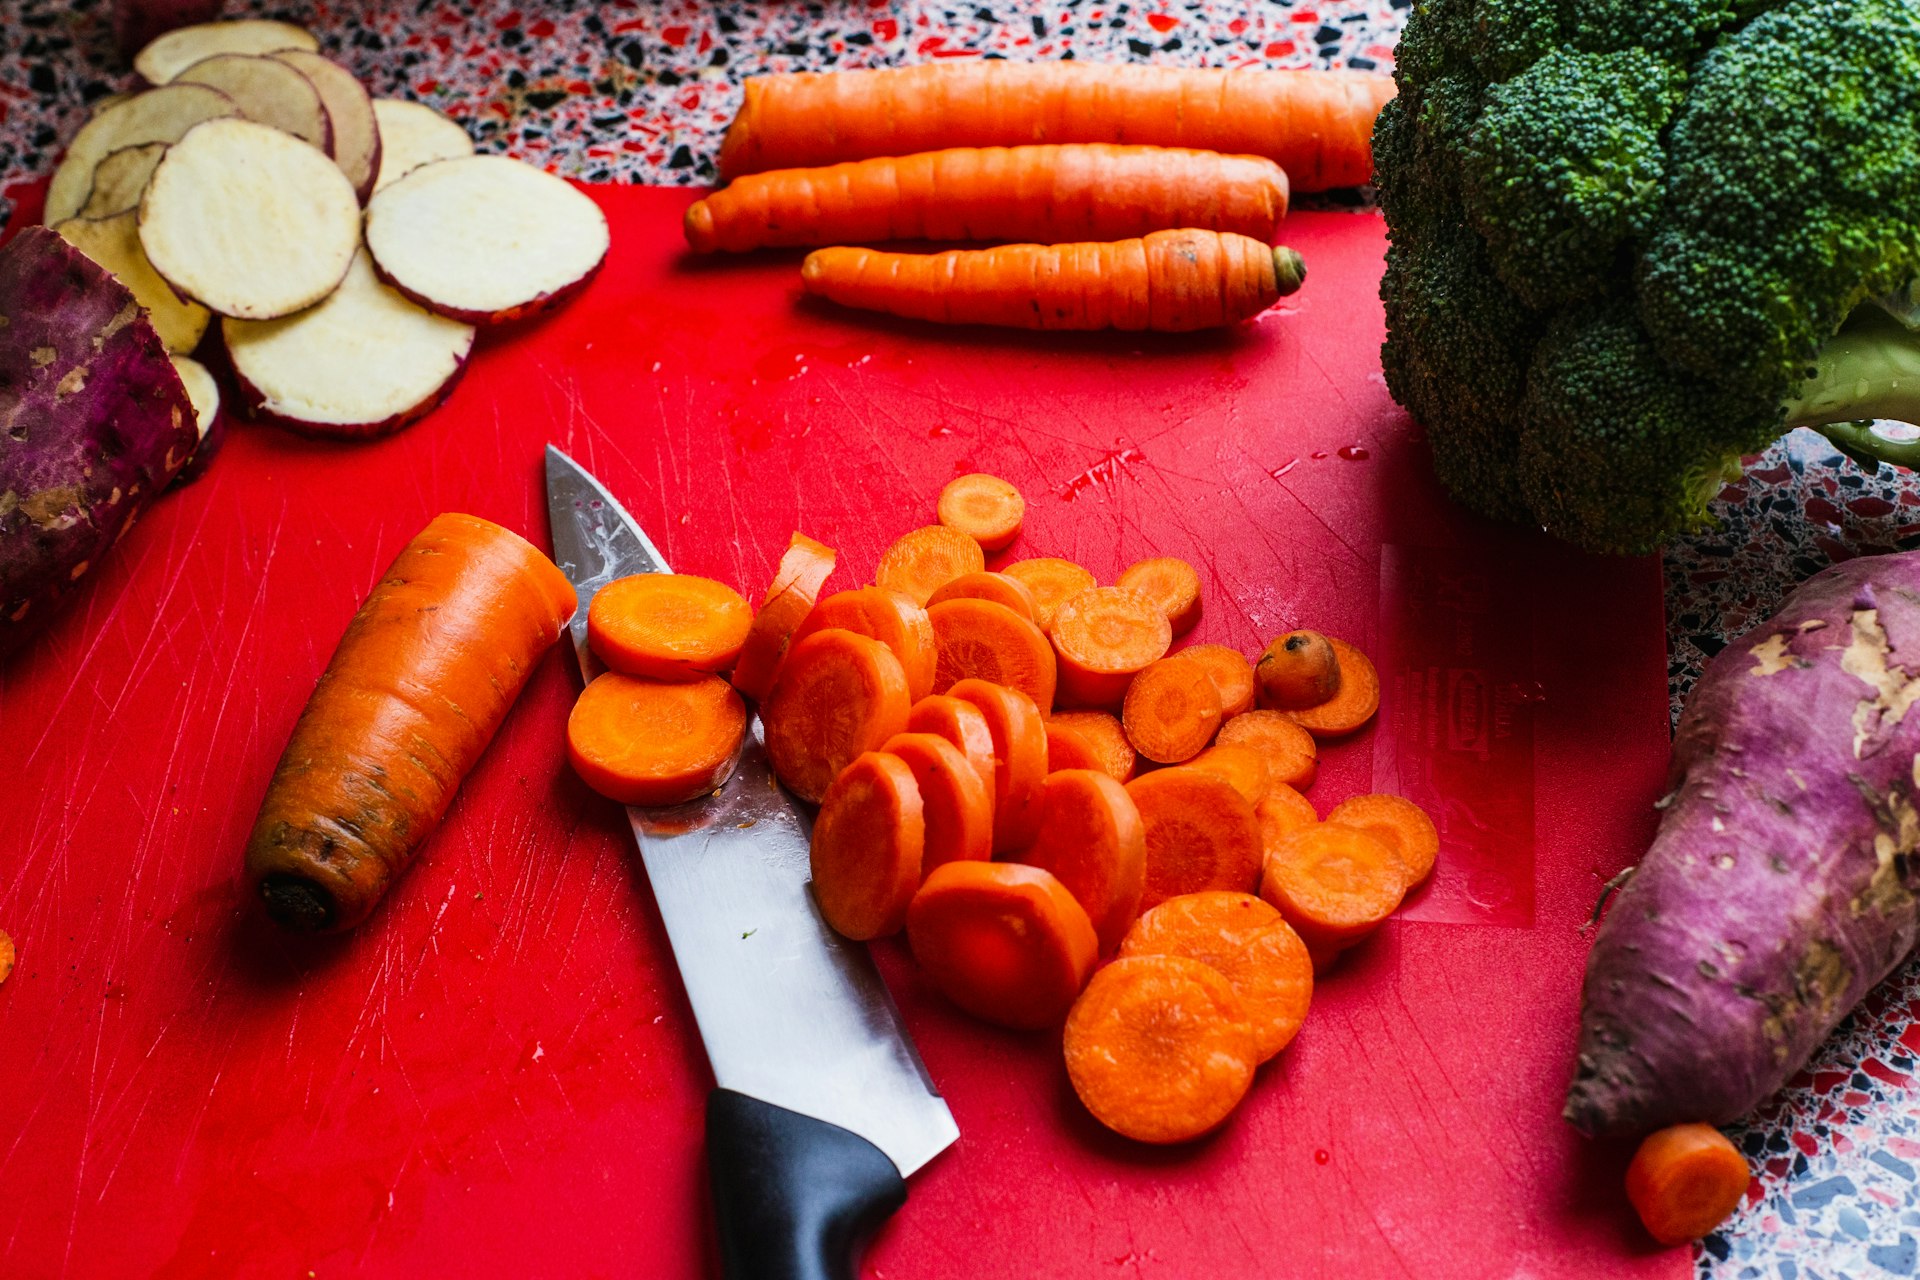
x=803 y=570
x=919 y=563
x=1247 y=943
x=1040 y=194
x=1299 y=669
x=1333 y=884
x=838 y=695
x=1009 y=593
x=1400 y=824
x=1172 y=711
x=1091 y=838
x=667 y=626
x=1282 y=810
x=1160 y=1048
x=985 y=508
x=1020 y=758
x=1104 y=637
x=1353 y=706
x=1052 y=582
x=1244 y=767
x=8 y=954
x=650 y=742
x=1005 y=942
x=1201 y=834
x=1292 y=755
x=886 y=616
x=1686 y=1180
x=868 y=842
x=1172 y=583
x=1103 y=732
x=980 y=640
x=1166 y=282
x=1069 y=749
x=1232 y=675
x=962 y=724
x=958 y=804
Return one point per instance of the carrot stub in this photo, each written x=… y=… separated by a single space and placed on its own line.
x=1091 y=838
x=1159 y=1048
x=1103 y=732
x=1232 y=675
x=1019 y=754
x=1353 y=706
x=463 y=617
x=886 y=616
x=1686 y=1180
x=803 y=570
x=1201 y=834
x=985 y=508
x=1005 y=942
x=651 y=742
x=838 y=695
x=1104 y=637
x=667 y=626
x=1248 y=944
x=1244 y=767
x=1007 y=592
x=1172 y=583
x=1333 y=884
x=1293 y=757
x=1397 y=822
x=962 y=724
x=957 y=803
x=1052 y=583
x=868 y=841
x=1172 y=711
x=1299 y=669
x=919 y=563
x=980 y=640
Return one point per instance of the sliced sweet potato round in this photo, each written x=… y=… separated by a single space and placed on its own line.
x=413 y=134
x=121 y=179
x=158 y=115
x=268 y=92
x=202 y=390
x=114 y=243
x=172 y=53
x=350 y=118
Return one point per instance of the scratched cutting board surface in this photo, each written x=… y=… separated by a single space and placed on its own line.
x=498 y=1074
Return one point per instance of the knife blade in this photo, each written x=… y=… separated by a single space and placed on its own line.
x=793 y=1016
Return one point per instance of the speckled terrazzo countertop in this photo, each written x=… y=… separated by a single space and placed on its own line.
x=629 y=91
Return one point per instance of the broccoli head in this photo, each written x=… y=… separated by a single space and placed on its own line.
x=1632 y=242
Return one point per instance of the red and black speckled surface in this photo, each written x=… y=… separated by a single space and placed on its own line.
x=640 y=92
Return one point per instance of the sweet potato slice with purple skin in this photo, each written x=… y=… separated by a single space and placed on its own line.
x=1781 y=884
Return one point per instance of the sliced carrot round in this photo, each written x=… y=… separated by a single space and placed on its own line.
x=1102 y=731
x=886 y=616
x=838 y=695
x=1091 y=838
x=1349 y=709
x=1005 y=942
x=985 y=508
x=1159 y=1048
x=923 y=561
x=962 y=724
x=1232 y=675
x=997 y=587
x=1201 y=834
x=1104 y=637
x=1293 y=757
x=1172 y=711
x=1052 y=583
x=1686 y=1180
x=1399 y=823
x=868 y=841
x=958 y=804
x=1281 y=810
x=1171 y=583
x=1299 y=669
x=1247 y=943
x=647 y=742
x=1069 y=749
x=1244 y=767
x=1020 y=758
x=803 y=570
x=667 y=626
x=980 y=640
x=1335 y=885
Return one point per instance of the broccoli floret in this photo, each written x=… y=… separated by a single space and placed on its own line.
x=1671 y=212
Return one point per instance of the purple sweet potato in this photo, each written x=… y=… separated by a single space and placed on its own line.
x=1781 y=885
x=93 y=423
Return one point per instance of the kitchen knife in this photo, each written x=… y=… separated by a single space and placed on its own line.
x=822 y=1106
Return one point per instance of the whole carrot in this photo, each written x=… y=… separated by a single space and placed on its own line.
x=1050 y=194
x=1170 y=281
x=424 y=675
x=1317 y=125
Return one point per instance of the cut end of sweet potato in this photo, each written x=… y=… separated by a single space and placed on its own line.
x=413 y=134
x=166 y=57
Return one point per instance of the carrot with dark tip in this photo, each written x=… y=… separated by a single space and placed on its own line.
x=886 y=616
x=803 y=570
x=1009 y=593
x=1685 y=1181
x=667 y=626
x=1005 y=942
x=980 y=640
x=1352 y=706
x=838 y=695
x=1091 y=838
x=1201 y=834
x=652 y=742
x=868 y=841
x=922 y=561
x=985 y=508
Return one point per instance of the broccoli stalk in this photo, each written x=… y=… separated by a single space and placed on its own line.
x=1870 y=370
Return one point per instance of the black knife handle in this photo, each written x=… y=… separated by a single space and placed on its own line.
x=793 y=1197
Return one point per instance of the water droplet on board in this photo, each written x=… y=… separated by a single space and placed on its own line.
x=1354 y=452
x=1284 y=467
x=1321 y=1157
x=939 y=432
x=1318 y=454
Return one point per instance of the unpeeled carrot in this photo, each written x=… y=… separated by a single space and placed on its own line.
x=652 y=742
x=886 y=616
x=1167 y=282
x=1091 y=838
x=957 y=803
x=1686 y=1180
x=1104 y=637
x=667 y=626
x=1244 y=767
x=1160 y=1048
x=1292 y=755
x=1352 y=706
x=1317 y=125
x=1101 y=731
x=985 y=508
x=803 y=570
x=838 y=695
x=1172 y=711
x=1400 y=824
x=1201 y=834
x=868 y=842
x=1334 y=885
x=1020 y=758
x=980 y=640
x=1052 y=582
x=1298 y=669
x=922 y=561
x=1232 y=675
x=1005 y=942
x=424 y=675
x=1009 y=593
x=1247 y=943
x=1048 y=194
x=962 y=724
x=1172 y=583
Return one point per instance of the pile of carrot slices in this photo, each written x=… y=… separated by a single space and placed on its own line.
x=1018 y=769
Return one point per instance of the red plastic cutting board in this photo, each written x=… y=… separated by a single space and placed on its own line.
x=498 y=1076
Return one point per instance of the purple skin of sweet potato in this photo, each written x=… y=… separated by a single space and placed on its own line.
x=136 y=23
x=1781 y=885
x=93 y=423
